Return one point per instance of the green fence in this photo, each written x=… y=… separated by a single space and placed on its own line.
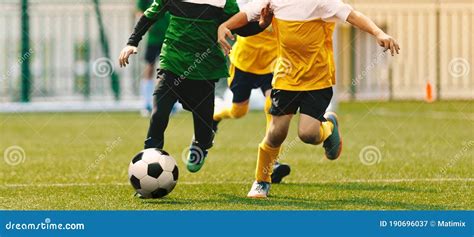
x=67 y=50
x=71 y=56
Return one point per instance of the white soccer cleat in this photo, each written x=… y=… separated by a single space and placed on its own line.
x=259 y=190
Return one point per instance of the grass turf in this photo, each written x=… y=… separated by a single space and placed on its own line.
x=79 y=161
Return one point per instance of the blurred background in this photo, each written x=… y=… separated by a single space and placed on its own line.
x=400 y=151
x=62 y=54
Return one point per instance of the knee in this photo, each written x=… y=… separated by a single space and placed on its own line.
x=239 y=111
x=308 y=138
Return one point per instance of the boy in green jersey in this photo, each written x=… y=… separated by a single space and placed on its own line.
x=191 y=62
x=156 y=36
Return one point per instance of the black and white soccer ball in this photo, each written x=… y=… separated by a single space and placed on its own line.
x=153 y=173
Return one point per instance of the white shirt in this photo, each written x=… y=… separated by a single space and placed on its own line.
x=216 y=3
x=300 y=10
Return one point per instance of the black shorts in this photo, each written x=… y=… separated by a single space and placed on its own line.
x=152 y=52
x=312 y=103
x=241 y=83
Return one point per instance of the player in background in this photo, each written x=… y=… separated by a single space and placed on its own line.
x=304 y=31
x=251 y=66
x=156 y=36
x=190 y=63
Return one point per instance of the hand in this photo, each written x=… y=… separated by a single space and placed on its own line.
x=388 y=43
x=223 y=33
x=266 y=16
x=125 y=54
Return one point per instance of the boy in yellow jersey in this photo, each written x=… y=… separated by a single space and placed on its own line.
x=251 y=60
x=304 y=34
x=252 y=63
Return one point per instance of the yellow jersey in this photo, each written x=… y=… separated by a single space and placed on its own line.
x=255 y=54
x=304 y=34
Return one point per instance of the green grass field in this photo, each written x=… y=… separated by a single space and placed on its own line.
x=79 y=161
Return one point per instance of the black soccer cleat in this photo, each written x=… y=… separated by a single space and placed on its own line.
x=279 y=172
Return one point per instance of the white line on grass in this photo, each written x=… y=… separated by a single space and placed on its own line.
x=242 y=182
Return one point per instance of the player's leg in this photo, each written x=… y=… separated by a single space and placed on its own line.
x=148 y=83
x=268 y=151
x=241 y=87
x=165 y=96
x=234 y=111
x=284 y=106
x=316 y=126
x=313 y=131
x=265 y=85
x=199 y=100
x=280 y=170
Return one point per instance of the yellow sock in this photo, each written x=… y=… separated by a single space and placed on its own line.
x=266 y=159
x=268 y=104
x=325 y=130
x=234 y=111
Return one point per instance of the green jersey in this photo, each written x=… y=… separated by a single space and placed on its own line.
x=190 y=49
x=156 y=34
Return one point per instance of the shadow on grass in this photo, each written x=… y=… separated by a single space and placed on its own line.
x=333 y=196
x=356 y=203
x=359 y=187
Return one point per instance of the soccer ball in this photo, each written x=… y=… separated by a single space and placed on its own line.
x=153 y=173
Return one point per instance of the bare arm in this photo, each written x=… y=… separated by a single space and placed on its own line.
x=237 y=21
x=225 y=30
x=364 y=23
x=139 y=31
x=147 y=19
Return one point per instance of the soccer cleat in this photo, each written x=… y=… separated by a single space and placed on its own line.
x=333 y=144
x=196 y=158
x=279 y=172
x=259 y=190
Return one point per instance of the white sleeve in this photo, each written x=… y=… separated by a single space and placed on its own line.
x=335 y=10
x=242 y=3
x=253 y=9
